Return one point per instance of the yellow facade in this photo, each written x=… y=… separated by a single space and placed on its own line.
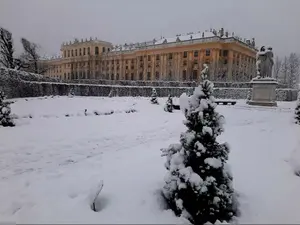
x=177 y=59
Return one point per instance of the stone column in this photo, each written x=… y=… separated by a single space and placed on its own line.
x=230 y=63
x=153 y=67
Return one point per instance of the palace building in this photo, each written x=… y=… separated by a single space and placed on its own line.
x=180 y=58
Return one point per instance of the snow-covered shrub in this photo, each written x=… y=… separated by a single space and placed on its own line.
x=169 y=104
x=198 y=184
x=5 y=117
x=249 y=95
x=154 y=97
x=297 y=110
x=111 y=93
x=71 y=93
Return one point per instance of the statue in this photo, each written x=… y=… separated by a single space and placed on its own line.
x=264 y=62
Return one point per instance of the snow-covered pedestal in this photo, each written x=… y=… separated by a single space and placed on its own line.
x=263 y=92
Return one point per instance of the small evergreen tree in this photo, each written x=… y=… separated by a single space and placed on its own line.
x=154 y=97
x=198 y=185
x=297 y=110
x=5 y=118
x=169 y=104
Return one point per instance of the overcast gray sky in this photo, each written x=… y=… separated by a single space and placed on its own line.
x=50 y=22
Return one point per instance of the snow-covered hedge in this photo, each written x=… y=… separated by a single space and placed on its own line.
x=162 y=83
x=34 y=89
x=11 y=74
x=22 y=84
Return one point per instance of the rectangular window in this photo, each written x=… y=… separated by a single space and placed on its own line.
x=195 y=74
x=68 y=53
x=75 y=52
x=184 y=62
x=184 y=54
x=157 y=75
x=141 y=58
x=149 y=58
x=225 y=53
x=126 y=67
x=96 y=50
x=157 y=57
x=207 y=52
x=195 y=53
x=141 y=76
x=170 y=56
x=184 y=75
x=80 y=51
x=83 y=51
x=131 y=76
x=148 y=76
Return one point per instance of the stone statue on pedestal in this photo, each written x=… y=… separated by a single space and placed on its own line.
x=264 y=85
x=265 y=62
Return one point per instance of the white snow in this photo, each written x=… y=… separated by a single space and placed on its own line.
x=207 y=130
x=50 y=165
x=213 y=162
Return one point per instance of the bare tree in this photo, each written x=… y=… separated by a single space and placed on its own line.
x=277 y=67
x=7 y=51
x=284 y=71
x=293 y=70
x=6 y=48
x=31 y=54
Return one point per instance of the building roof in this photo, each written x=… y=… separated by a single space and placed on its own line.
x=221 y=34
x=205 y=36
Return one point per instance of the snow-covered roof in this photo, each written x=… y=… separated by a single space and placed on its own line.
x=182 y=38
x=51 y=57
x=186 y=37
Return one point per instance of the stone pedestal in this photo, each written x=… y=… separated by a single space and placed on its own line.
x=263 y=92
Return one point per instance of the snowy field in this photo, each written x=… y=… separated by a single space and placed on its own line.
x=50 y=163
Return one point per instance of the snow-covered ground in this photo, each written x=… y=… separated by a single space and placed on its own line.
x=50 y=163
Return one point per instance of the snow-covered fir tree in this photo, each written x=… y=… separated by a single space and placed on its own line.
x=5 y=118
x=198 y=185
x=297 y=110
x=169 y=104
x=154 y=96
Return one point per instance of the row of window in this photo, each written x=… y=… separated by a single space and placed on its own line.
x=185 y=76
x=185 y=54
x=83 y=51
x=157 y=76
